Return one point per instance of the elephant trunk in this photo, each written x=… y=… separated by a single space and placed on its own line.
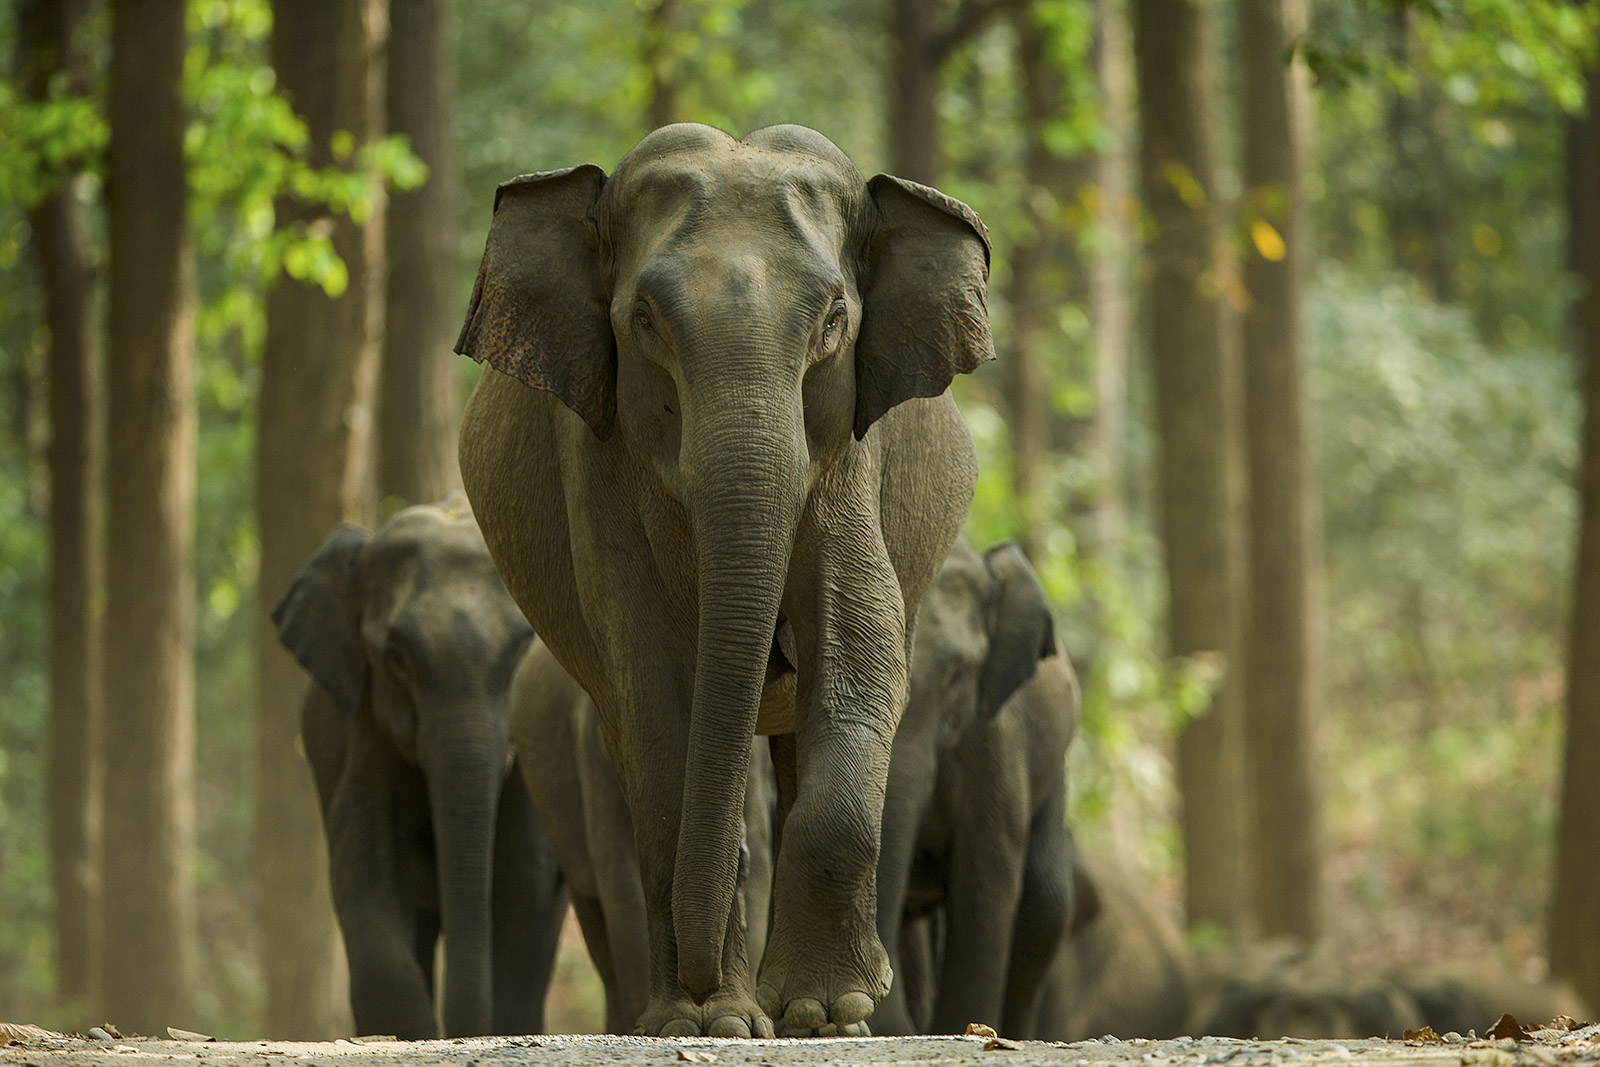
x=746 y=488
x=464 y=780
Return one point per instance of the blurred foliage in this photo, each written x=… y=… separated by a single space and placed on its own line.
x=1446 y=432
x=1447 y=469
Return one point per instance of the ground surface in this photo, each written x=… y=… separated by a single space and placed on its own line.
x=1580 y=1047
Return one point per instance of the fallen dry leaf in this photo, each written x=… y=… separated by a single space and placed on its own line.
x=1566 y=1022
x=178 y=1034
x=980 y=1030
x=1505 y=1027
x=1425 y=1036
x=999 y=1043
x=22 y=1033
x=694 y=1055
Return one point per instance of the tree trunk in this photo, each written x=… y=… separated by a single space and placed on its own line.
x=420 y=398
x=662 y=62
x=1574 y=926
x=1027 y=381
x=914 y=90
x=77 y=450
x=1421 y=220
x=150 y=475
x=1110 y=308
x=1200 y=484
x=1281 y=687
x=313 y=470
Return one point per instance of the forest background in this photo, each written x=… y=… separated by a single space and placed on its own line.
x=1435 y=219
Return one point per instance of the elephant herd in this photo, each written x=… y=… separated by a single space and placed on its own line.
x=714 y=465
x=794 y=752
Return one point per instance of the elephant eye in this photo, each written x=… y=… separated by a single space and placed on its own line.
x=641 y=315
x=833 y=329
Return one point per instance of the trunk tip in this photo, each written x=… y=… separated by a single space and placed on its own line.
x=700 y=972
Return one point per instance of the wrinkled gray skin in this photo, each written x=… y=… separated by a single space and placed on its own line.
x=1123 y=968
x=555 y=733
x=410 y=640
x=715 y=458
x=974 y=823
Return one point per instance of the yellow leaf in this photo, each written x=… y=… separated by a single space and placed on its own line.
x=1268 y=241
x=1486 y=239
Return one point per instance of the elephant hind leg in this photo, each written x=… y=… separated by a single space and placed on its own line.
x=425 y=945
x=1042 y=912
x=530 y=904
x=592 y=921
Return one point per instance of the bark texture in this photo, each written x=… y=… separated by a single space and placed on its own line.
x=313 y=470
x=1195 y=394
x=47 y=32
x=1281 y=687
x=150 y=475
x=1574 y=925
x=420 y=399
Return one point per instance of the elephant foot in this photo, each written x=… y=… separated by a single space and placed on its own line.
x=724 y=1014
x=860 y=1029
x=823 y=988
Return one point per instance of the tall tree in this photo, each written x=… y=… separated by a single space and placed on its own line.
x=313 y=470
x=661 y=61
x=1574 y=926
x=1421 y=211
x=1110 y=307
x=1195 y=401
x=1281 y=685
x=922 y=38
x=419 y=396
x=1049 y=179
x=50 y=53
x=150 y=477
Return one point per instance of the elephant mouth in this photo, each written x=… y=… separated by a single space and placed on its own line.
x=776 y=714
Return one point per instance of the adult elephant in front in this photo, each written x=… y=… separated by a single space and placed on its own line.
x=715 y=459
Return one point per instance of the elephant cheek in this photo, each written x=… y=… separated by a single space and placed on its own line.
x=650 y=415
x=829 y=393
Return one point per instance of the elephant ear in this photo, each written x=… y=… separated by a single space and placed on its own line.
x=319 y=619
x=924 y=318
x=540 y=311
x=1021 y=629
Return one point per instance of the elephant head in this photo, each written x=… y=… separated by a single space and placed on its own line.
x=412 y=626
x=736 y=314
x=983 y=628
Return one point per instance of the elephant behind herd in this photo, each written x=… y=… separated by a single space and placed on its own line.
x=795 y=753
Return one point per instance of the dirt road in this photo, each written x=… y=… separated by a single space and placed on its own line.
x=590 y=1051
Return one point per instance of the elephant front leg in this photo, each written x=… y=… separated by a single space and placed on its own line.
x=984 y=881
x=653 y=778
x=825 y=968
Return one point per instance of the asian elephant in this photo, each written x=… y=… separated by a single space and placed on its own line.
x=555 y=733
x=715 y=458
x=1124 y=967
x=410 y=640
x=974 y=821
